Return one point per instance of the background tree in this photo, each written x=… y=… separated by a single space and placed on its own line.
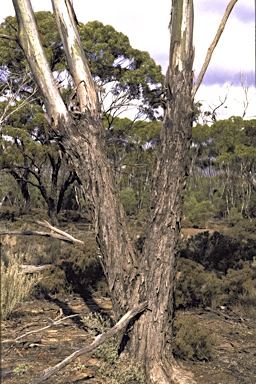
x=223 y=169
x=132 y=278
x=33 y=159
x=122 y=74
x=126 y=77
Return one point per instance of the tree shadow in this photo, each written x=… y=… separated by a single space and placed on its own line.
x=82 y=281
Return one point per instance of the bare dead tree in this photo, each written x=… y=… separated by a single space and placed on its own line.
x=9 y=93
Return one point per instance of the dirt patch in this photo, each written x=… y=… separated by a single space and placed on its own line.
x=190 y=232
x=28 y=357
x=233 y=361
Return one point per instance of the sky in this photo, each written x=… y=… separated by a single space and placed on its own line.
x=231 y=73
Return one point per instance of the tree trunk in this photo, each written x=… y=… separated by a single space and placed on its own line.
x=22 y=182
x=72 y=177
x=150 y=334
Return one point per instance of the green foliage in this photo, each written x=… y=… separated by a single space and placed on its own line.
x=234 y=216
x=129 y=201
x=112 y=59
x=191 y=341
x=195 y=287
x=219 y=252
x=199 y=213
x=12 y=55
x=240 y=286
x=244 y=231
x=224 y=157
x=20 y=369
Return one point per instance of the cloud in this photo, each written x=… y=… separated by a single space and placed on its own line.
x=213 y=95
x=235 y=51
x=244 y=11
x=220 y=76
x=210 y=7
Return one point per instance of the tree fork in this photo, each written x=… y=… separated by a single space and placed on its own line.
x=131 y=279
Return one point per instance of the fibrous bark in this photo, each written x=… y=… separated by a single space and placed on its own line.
x=157 y=267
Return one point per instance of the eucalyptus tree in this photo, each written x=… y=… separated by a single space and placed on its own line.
x=33 y=158
x=121 y=72
x=233 y=148
x=132 y=278
x=126 y=77
x=223 y=169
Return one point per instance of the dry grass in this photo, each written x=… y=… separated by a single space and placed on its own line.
x=16 y=286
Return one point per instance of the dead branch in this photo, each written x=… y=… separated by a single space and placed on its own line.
x=223 y=314
x=39 y=330
x=36 y=233
x=59 y=231
x=2 y=36
x=213 y=46
x=34 y=268
x=100 y=339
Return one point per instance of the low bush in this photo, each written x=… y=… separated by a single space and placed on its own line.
x=191 y=341
x=195 y=287
x=240 y=286
x=129 y=201
x=219 y=252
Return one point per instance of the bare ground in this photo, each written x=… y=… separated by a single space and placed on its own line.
x=233 y=362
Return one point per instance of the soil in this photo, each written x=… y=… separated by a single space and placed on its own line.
x=24 y=360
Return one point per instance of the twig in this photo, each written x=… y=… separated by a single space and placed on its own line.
x=98 y=341
x=223 y=314
x=2 y=36
x=38 y=330
x=57 y=230
x=36 y=233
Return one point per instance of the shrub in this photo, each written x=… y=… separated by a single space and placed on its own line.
x=129 y=200
x=196 y=287
x=234 y=216
x=219 y=252
x=199 y=213
x=240 y=286
x=15 y=285
x=83 y=269
x=191 y=341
